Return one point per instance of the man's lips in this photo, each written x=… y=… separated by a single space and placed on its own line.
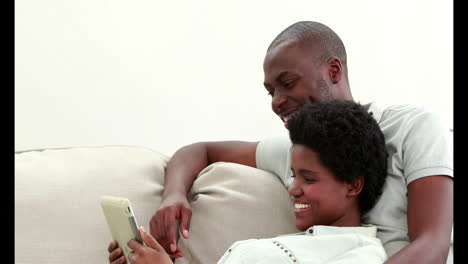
x=286 y=117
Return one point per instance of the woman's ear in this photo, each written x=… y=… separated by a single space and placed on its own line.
x=355 y=188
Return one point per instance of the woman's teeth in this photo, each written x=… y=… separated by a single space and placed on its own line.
x=301 y=206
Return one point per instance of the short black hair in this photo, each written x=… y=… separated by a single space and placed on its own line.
x=319 y=37
x=348 y=141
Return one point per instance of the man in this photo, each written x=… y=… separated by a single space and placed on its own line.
x=306 y=64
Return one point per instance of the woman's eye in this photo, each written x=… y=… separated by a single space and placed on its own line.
x=310 y=180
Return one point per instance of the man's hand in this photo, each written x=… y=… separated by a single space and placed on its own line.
x=163 y=223
x=181 y=171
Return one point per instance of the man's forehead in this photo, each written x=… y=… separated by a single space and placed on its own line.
x=281 y=48
x=284 y=57
x=290 y=51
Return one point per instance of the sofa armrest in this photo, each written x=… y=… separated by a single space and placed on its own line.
x=58 y=218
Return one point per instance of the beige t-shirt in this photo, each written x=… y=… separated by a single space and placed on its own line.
x=419 y=144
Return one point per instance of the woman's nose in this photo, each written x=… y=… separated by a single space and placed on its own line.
x=294 y=190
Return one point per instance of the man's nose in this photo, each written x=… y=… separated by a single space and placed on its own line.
x=277 y=101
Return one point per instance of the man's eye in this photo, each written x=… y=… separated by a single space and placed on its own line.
x=271 y=93
x=289 y=84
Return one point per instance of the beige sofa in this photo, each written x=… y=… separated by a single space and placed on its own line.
x=58 y=218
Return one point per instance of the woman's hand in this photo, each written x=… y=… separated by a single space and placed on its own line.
x=152 y=253
x=115 y=253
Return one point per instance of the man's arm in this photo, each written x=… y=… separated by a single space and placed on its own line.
x=181 y=172
x=430 y=217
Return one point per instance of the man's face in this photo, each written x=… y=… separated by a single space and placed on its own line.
x=293 y=77
x=319 y=197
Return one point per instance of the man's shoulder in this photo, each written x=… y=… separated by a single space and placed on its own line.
x=407 y=111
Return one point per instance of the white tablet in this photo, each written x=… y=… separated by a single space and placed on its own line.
x=121 y=221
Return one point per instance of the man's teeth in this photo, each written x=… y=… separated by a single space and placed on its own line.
x=301 y=206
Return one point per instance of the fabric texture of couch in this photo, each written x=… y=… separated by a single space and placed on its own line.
x=58 y=218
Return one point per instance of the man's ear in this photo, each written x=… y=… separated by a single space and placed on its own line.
x=335 y=69
x=355 y=188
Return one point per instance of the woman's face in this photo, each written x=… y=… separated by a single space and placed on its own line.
x=319 y=197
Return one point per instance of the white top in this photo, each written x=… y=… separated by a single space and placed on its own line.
x=419 y=144
x=318 y=244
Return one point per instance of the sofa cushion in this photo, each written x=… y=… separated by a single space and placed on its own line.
x=232 y=202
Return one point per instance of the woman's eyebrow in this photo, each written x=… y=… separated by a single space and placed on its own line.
x=306 y=171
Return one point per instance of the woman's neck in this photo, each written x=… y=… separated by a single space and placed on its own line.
x=351 y=218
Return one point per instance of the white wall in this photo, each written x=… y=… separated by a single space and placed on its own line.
x=164 y=74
